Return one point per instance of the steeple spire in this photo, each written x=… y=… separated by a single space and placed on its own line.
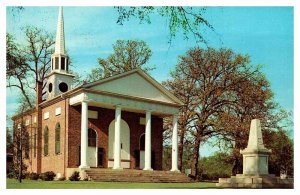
x=60 y=35
x=59 y=80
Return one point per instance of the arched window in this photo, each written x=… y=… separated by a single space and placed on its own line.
x=57 y=138
x=46 y=140
x=92 y=137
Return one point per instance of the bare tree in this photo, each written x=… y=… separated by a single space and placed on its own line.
x=20 y=144
x=28 y=63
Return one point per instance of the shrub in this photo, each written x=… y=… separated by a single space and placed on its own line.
x=61 y=179
x=33 y=176
x=86 y=179
x=74 y=176
x=47 y=176
x=11 y=175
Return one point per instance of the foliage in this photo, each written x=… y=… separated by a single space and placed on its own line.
x=188 y=20
x=48 y=176
x=214 y=85
x=215 y=167
x=167 y=158
x=75 y=176
x=62 y=179
x=33 y=176
x=127 y=55
x=281 y=159
x=14 y=171
x=95 y=75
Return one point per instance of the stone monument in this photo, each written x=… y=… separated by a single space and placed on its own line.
x=255 y=165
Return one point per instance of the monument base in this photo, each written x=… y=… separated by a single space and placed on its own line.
x=259 y=181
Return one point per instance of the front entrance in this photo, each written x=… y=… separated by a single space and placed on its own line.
x=125 y=144
x=92 y=149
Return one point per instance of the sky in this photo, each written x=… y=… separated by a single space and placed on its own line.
x=263 y=33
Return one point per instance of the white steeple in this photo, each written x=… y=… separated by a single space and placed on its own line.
x=60 y=34
x=59 y=80
x=60 y=60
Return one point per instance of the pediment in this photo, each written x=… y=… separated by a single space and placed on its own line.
x=135 y=84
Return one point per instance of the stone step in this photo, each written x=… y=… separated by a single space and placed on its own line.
x=127 y=175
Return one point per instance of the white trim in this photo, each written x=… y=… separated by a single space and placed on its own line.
x=145 y=76
x=46 y=115
x=57 y=111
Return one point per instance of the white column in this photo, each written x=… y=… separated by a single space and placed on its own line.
x=175 y=144
x=84 y=135
x=117 y=146
x=148 y=142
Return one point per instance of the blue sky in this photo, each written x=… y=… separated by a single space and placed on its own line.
x=264 y=33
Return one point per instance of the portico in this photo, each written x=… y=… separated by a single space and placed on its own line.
x=134 y=92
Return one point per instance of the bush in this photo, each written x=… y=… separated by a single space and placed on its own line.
x=74 y=176
x=11 y=175
x=61 y=179
x=47 y=176
x=33 y=176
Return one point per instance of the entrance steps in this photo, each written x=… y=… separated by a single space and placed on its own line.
x=131 y=175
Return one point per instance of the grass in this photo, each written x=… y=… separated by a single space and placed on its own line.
x=33 y=184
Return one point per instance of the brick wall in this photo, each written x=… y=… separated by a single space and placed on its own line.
x=70 y=137
x=101 y=125
x=52 y=161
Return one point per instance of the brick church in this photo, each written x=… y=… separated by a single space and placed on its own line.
x=116 y=122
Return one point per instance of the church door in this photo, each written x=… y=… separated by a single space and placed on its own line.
x=125 y=144
x=92 y=150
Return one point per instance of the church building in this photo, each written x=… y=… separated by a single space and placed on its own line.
x=116 y=122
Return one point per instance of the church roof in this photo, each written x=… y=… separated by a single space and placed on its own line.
x=134 y=83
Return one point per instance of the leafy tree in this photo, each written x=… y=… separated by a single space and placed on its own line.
x=127 y=55
x=281 y=159
x=254 y=101
x=187 y=20
x=215 y=166
x=167 y=158
x=213 y=80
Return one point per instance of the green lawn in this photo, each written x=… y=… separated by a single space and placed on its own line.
x=30 y=184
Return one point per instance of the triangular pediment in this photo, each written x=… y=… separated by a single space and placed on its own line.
x=135 y=84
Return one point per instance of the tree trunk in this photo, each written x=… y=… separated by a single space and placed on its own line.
x=195 y=160
x=180 y=150
x=20 y=156
x=234 y=170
